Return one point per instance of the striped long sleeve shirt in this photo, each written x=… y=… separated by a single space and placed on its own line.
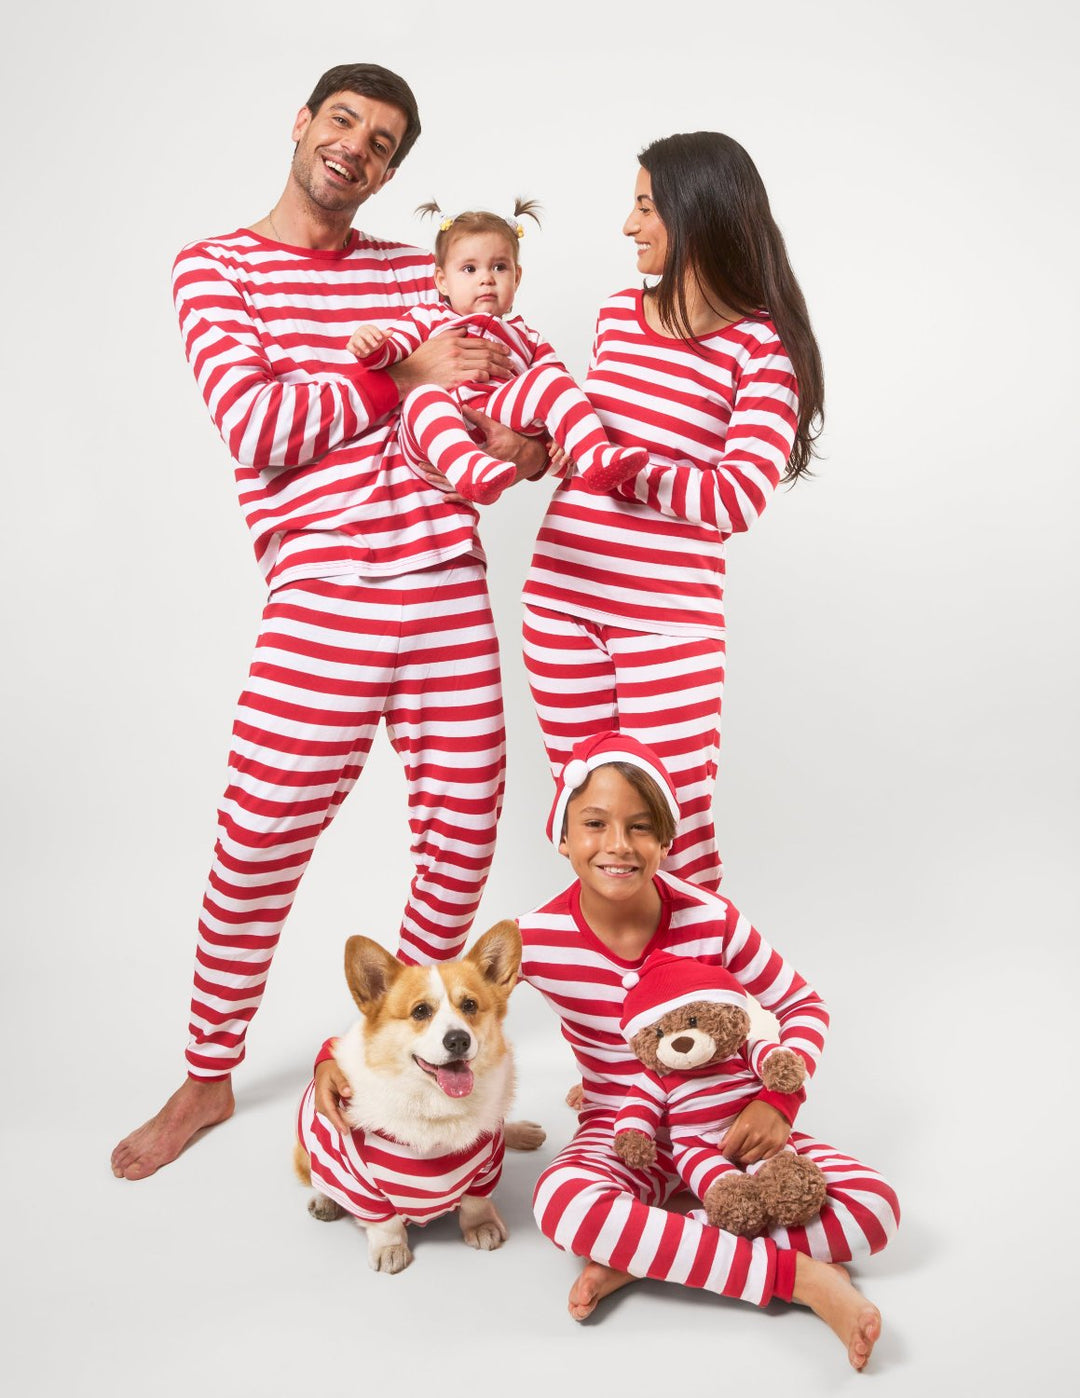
x=718 y=418
x=584 y=984
x=322 y=487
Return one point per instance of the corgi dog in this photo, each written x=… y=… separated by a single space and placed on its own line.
x=432 y=1078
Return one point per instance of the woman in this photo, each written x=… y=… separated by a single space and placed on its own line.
x=716 y=371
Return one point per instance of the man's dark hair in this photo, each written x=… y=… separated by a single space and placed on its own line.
x=370 y=80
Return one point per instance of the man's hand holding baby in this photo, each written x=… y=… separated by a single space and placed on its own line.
x=451 y=359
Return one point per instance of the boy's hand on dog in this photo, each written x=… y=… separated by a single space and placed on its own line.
x=332 y=1093
x=757 y=1133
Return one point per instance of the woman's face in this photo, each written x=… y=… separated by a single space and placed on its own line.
x=647 y=229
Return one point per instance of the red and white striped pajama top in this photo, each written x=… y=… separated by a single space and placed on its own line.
x=583 y=982
x=718 y=418
x=376 y=1178
x=311 y=431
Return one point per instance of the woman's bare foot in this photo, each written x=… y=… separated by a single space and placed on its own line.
x=828 y=1291
x=160 y=1140
x=596 y=1282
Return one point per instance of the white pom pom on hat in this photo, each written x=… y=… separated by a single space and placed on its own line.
x=598 y=751
x=574 y=773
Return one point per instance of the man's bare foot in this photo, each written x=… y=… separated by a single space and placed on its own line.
x=596 y=1282
x=161 y=1139
x=828 y=1291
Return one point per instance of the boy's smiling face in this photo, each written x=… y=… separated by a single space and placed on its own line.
x=610 y=838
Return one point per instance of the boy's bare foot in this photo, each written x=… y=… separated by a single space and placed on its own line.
x=575 y=1098
x=828 y=1291
x=596 y=1282
x=161 y=1139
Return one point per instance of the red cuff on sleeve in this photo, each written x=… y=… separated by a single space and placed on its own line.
x=376 y=388
x=326 y=1052
x=784 y=1277
x=786 y=1103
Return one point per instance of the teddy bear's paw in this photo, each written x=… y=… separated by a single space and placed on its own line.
x=735 y=1204
x=783 y=1071
x=635 y=1149
x=792 y=1189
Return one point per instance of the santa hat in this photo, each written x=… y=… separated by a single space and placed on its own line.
x=598 y=751
x=668 y=982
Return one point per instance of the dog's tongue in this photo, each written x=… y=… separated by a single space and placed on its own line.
x=455 y=1079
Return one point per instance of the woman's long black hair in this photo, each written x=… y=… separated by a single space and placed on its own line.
x=721 y=234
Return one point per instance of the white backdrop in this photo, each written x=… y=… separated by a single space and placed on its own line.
x=897 y=787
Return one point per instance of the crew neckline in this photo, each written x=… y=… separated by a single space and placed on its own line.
x=650 y=946
x=321 y=254
x=639 y=309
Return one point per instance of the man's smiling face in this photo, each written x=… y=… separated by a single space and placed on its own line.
x=343 y=151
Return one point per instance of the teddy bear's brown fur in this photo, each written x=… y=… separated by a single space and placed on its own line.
x=787 y=1190
x=726 y=1025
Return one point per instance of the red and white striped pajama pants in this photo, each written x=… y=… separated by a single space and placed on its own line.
x=333 y=658
x=587 y=677
x=590 y=1204
x=543 y=396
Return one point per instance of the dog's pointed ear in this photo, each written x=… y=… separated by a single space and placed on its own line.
x=497 y=955
x=370 y=971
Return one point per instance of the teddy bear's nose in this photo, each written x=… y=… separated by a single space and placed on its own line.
x=682 y=1044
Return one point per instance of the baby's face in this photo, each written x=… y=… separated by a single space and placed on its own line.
x=480 y=275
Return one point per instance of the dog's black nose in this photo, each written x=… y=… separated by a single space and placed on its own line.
x=456 y=1042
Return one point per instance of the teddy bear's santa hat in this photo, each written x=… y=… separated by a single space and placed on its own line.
x=667 y=983
x=598 y=751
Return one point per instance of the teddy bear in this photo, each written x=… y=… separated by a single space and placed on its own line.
x=688 y=1024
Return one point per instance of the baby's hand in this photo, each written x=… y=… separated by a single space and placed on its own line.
x=366 y=339
x=561 y=464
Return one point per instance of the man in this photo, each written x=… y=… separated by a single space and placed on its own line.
x=378 y=606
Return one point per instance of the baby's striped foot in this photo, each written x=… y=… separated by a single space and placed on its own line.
x=481 y=478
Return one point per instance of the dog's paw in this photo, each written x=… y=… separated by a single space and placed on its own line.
x=394 y=1258
x=480 y=1223
x=486 y=1237
x=324 y=1209
x=524 y=1135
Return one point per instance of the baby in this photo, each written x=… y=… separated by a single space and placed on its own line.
x=477 y=274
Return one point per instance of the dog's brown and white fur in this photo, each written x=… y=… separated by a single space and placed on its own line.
x=429 y=1066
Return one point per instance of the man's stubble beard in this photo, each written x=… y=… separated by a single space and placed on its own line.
x=304 y=174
